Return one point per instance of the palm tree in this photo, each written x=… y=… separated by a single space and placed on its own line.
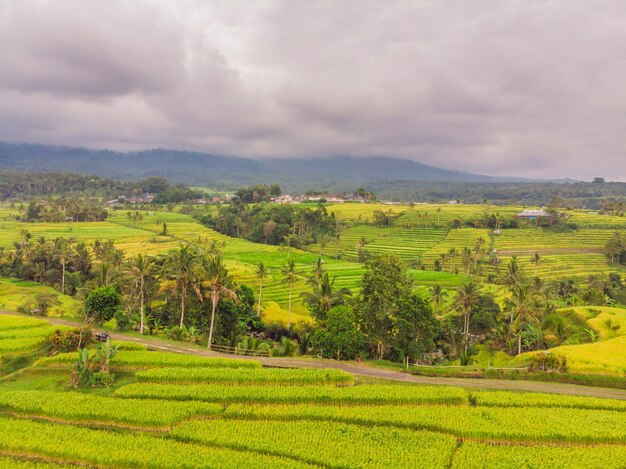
x=291 y=277
x=180 y=265
x=522 y=311
x=437 y=295
x=261 y=272
x=467 y=298
x=322 y=298
x=318 y=271
x=536 y=259
x=63 y=253
x=217 y=282
x=139 y=268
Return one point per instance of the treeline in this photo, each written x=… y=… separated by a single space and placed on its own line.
x=73 y=209
x=589 y=195
x=274 y=224
x=26 y=185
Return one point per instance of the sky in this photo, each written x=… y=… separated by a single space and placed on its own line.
x=499 y=87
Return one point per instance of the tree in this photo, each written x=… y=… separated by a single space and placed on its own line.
x=102 y=304
x=261 y=272
x=467 y=298
x=522 y=311
x=63 y=253
x=181 y=267
x=415 y=327
x=290 y=278
x=383 y=284
x=322 y=298
x=140 y=269
x=339 y=337
x=218 y=283
x=437 y=295
x=536 y=259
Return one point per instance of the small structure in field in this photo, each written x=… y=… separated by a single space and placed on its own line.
x=533 y=214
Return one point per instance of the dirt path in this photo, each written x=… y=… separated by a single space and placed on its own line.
x=365 y=370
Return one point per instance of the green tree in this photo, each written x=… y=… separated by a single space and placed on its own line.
x=140 y=269
x=415 y=327
x=102 y=304
x=290 y=278
x=467 y=299
x=219 y=285
x=180 y=267
x=383 y=284
x=339 y=337
x=261 y=272
x=322 y=298
x=437 y=295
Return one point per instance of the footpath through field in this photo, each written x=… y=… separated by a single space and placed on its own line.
x=369 y=371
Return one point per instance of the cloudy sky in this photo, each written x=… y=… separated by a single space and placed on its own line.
x=502 y=87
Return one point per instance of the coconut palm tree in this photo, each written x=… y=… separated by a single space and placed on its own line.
x=140 y=268
x=62 y=254
x=180 y=266
x=290 y=277
x=467 y=299
x=261 y=272
x=523 y=313
x=437 y=295
x=536 y=259
x=218 y=283
x=322 y=298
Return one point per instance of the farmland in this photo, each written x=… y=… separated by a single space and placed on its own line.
x=237 y=414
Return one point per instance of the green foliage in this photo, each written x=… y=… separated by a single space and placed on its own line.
x=102 y=304
x=338 y=336
x=415 y=327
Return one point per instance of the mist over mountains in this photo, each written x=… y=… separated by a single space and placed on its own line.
x=228 y=172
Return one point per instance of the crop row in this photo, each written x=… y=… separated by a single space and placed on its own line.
x=326 y=443
x=25 y=344
x=18 y=322
x=524 y=424
x=473 y=454
x=370 y=394
x=532 y=399
x=136 y=360
x=26 y=333
x=114 y=449
x=89 y=407
x=20 y=463
x=268 y=376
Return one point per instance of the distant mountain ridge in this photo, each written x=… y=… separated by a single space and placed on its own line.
x=219 y=171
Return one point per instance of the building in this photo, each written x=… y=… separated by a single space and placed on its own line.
x=533 y=214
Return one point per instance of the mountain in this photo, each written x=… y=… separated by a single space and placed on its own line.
x=228 y=172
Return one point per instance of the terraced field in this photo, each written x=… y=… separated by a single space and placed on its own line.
x=233 y=413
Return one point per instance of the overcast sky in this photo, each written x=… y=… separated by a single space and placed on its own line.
x=532 y=88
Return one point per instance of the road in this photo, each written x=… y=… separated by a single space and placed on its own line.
x=369 y=371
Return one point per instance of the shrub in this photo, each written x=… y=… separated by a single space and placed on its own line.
x=547 y=361
x=64 y=341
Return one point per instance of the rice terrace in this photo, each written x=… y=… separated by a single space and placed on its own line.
x=312 y=234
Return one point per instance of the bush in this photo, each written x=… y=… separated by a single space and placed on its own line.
x=64 y=341
x=546 y=361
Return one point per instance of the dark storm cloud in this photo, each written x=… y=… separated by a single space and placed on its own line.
x=533 y=88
